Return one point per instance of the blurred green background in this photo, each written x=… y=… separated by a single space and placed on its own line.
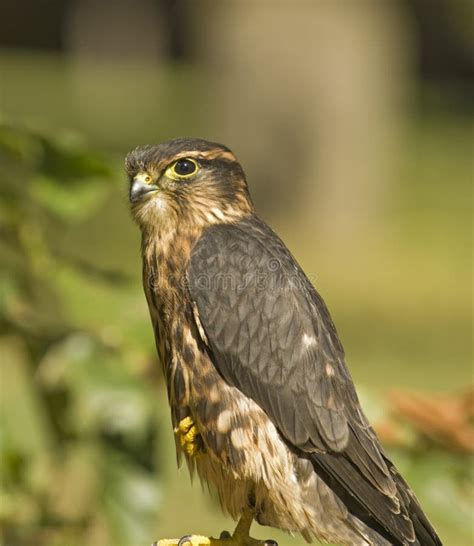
x=354 y=124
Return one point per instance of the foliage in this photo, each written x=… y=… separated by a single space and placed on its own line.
x=431 y=439
x=83 y=457
x=78 y=433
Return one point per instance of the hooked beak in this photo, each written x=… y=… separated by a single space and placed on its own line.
x=139 y=189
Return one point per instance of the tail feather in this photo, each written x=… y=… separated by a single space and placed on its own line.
x=424 y=531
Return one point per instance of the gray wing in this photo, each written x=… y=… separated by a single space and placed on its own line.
x=270 y=335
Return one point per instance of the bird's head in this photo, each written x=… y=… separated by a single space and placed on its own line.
x=186 y=180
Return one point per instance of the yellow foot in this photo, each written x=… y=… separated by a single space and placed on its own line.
x=189 y=540
x=239 y=538
x=189 y=439
x=225 y=540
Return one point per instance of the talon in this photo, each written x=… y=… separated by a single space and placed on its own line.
x=191 y=434
x=185 y=424
x=194 y=540
x=187 y=540
x=188 y=436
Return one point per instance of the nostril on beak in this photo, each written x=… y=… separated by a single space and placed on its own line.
x=139 y=189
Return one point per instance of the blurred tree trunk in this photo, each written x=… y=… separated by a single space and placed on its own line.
x=309 y=96
x=119 y=45
x=115 y=29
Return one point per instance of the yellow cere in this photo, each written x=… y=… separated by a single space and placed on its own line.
x=144 y=177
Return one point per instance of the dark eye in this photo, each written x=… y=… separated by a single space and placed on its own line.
x=185 y=167
x=182 y=168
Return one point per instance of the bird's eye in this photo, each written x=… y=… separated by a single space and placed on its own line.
x=183 y=168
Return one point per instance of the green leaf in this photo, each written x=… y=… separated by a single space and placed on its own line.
x=24 y=425
x=69 y=203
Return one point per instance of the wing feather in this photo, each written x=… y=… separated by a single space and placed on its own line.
x=271 y=336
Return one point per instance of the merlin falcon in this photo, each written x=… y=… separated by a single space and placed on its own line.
x=263 y=406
